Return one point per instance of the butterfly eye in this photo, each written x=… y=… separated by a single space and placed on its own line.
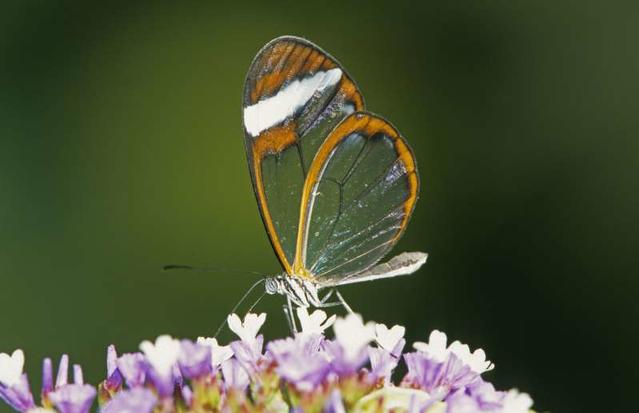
x=271 y=285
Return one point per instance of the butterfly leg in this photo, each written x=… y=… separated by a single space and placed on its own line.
x=327 y=296
x=343 y=302
x=328 y=305
x=287 y=315
x=324 y=304
x=290 y=315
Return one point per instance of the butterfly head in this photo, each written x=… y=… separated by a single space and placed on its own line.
x=274 y=285
x=302 y=293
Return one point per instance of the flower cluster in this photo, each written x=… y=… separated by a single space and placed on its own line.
x=307 y=372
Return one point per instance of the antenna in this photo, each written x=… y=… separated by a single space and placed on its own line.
x=255 y=303
x=171 y=267
x=246 y=294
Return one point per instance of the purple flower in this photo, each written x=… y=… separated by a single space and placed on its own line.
x=385 y=358
x=382 y=364
x=78 y=376
x=249 y=353
x=73 y=398
x=14 y=385
x=437 y=378
x=235 y=376
x=320 y=374
x=343 y=363
x=248 y=350
x=461 y=402
x=132 y=367
x=114 y=377
x=62 y=378
x=165 y=385
x=138 y=400
x=334 y=403
x=68 y=398
x=349 y=350
x=18 y=395
x=162 y=357
x=482 y=397
x=307 y=344
x=63 y=372
x=219 y=354
x=299 y=360
x=178 y=378
x=436 y=349
x=485 y=394
x=187 y=395
x=194 y=359
x=47 y=379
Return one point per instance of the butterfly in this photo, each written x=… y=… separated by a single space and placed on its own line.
x=335 y=185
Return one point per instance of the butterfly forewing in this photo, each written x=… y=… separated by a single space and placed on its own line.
x=358 y=197
x=294 y=95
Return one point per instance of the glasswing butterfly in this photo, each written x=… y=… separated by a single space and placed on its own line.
x=335 y=185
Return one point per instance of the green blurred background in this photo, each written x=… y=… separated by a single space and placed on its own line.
x=122 y=150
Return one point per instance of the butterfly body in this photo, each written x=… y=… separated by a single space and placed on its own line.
x=335 y=184
x=303 y=293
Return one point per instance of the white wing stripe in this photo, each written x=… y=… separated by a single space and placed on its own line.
x=275 y=109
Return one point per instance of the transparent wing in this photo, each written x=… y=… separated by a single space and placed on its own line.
x=358 y=197
x=294 y=95
x=403 y=264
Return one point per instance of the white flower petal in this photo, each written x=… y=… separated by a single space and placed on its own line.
x=515 y=402
x=329 y=322
x=317 y=317
x=247 y=330
x=388 y=338
x=462 y=351
x=219 y=354
x=352 y=334
x=436 y=348
x=11 y=367
x=315 y=323
x=478 y=362
x=437 y=341
x=235 y=324
x=163 y=354
x=253 y=323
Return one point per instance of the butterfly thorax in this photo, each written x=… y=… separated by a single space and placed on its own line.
x=300 y=291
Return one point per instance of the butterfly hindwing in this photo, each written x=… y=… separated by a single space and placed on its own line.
x=405 y=263
x=358 y=197
x=294 y=95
